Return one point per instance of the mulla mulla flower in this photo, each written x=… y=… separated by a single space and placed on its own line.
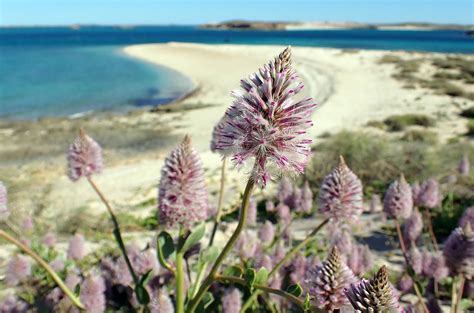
x=325 y=284
x=374 y=295
x=93 y=294
x=4 y=211
x=340 y=196
x=182 y=195
x=232 y=301
x=84 y=157
x=413 y=227
x=267 y=124
x=464 y=165
x=398 y=201
x=459 y=251
x=429 y=195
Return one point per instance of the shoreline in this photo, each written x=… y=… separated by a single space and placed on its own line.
x=351 y=88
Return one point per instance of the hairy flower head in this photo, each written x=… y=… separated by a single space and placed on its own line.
x=374 y=295
x=182 y=196
x=398 y=201
x=18 y=269
x=266 y=124
x=77 y=248
x=340 y=195
x=93 y=294
x=325 y=284
x=464 y=165
x=459 y=251
x=232 y=301
x=429 y=195
x=413 y=227
x=84 y=157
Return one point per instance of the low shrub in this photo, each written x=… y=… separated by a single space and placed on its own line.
x=400 y=122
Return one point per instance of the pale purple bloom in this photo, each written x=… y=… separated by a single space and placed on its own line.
x=294 y=202
x=340 y=195
x=413 y=227
x=161 y=303
x=76 y=249
x=252 y=212
x=459 y=251
x=306 y=198
x=27 y=224
x=84 y=157
x=247 y=245
x=284 y=213
x=342 y=239
x=437 y=267
x=267 y=232
x=232 y=301
x=267 y=124
x=72 y=279
x=18 y=269
x=298 y=269
x=415 y=192
x=57 y=264
x=142 y=261
x=279 y=252
x=429 y=195
x=374 y=295
x=4 y=211
x=405 y=283
x=266 y=262
x=464 y=165
x=467 y=218
x=182 y=197
x=217 y=132
x=325 y=284
x=269 y=206
x=360 y=259
x=49 y=240
x=11 y=304
x=398 y=201
x=93 y=294
x=416 y=259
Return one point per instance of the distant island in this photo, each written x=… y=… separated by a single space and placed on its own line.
x=257 y=25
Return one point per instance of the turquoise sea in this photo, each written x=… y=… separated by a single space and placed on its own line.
x=61 y=71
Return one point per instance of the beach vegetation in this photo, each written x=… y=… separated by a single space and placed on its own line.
x=201 y=254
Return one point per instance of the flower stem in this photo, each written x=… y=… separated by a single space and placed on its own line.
x=407 y=262
x=236 y=280
x=180 y=274
x=228 y=247
x=219 y=202
x=287 y=257
x=430 y=229
x=116 y=231
x=459 y=295
x=46 y=266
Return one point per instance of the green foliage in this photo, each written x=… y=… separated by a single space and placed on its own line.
x=443 y=86
x=419 y=135
x=400 y=122
x=165 y=247
x=445 y=219
x=295 y=290
x=261 y=277
x=470 y=127
x=194 y=237
x=378 y=161
x=233 y=270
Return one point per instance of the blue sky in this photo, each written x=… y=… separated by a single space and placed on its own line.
x=60 y=12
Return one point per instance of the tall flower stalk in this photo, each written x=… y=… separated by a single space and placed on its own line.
x=84 y=160
x=266 y=125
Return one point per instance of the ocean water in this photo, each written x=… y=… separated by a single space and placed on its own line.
x=61 y=71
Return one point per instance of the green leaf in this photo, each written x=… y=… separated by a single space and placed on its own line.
x=295 y=290
x=194 y=237
x=142 y=294
x=208 y=299
x=144 y=279
x=233 y=270
x=165 y=245
x=261 y=277
x=307 y=303
x=210 y=255
x=249 y=277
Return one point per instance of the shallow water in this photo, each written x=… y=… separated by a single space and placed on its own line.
x=64 y=71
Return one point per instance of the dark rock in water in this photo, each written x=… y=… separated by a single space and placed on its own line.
x=470 y=33
x=141 y=102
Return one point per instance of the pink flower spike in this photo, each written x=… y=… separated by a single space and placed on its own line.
x=4 y=211
x=265 y=124
x=84 y=157
x=398 y=201
x=182 y=195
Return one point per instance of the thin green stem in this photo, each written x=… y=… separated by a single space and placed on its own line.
x=287 y=257
x=117 y=233
x=236 y=280
x=228 y=247
x=219 y=202
x=46 y=266
x=407 y=262
x=453 y=296
x=180 y=276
